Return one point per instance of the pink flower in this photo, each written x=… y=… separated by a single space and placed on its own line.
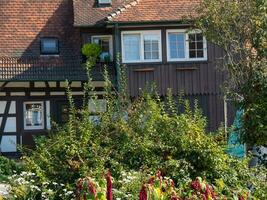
x=109 y=186
x=143 y=193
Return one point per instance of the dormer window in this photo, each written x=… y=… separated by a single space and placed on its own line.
x=49 y=46
x=104 y=2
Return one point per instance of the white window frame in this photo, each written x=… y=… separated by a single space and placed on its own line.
x=142 y=33
x=187 y=58
x=110 y=43
x=104 y=1
x=24 y=116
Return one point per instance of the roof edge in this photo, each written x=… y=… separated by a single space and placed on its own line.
x=121 y=9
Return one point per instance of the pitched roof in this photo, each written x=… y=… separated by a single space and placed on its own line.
x=87 y=13
x=158 y=10
x=41 y=69
x=24 y=22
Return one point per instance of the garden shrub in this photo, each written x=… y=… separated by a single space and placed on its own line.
x=8 y=166
x=28 y=186
x=141 y=136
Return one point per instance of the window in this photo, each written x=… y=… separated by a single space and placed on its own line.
x=105 y=42
x=33 y=115
x=104 y=1
x=196 y=48
x=49 y=46
x=186 y=46
x=141 y=46
x=97 y=106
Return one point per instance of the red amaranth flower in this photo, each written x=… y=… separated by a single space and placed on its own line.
x=158 y=174
x=240 y=197
x=143 y=193
x=109 y=186
x=196 y=185
x=151 y=181
x=91 y=187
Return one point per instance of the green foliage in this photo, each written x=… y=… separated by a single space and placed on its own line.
x=28 y=186
x=137 y=136
x=240 y=28
x=7 y=167
x=142 y=136
x=127 y=185
x=254 y=130
x=91 y=50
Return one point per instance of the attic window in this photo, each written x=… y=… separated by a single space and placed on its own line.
x=49 y=46
x=104 y=2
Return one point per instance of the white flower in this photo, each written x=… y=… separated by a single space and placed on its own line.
x=69 y=193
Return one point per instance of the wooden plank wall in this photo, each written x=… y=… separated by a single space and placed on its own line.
x=196 y=80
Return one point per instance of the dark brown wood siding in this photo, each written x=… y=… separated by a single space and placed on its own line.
x=191 y=78
x=200 y=80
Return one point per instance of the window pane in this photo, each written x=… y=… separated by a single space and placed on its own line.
x=155 y=46
x=147 y=46
x=192 y=45
x=199 y=37
x=200 y=54
x=49 y=45
x=104 y=43
x=180 y=54
x=177 y=45
x=155 y=55
x=192 y=37
x=131 y=47
x=34 y=114
x=199 y=45
x=192 y=54
x=196 y=47
x=151 y=47
x=148 y=55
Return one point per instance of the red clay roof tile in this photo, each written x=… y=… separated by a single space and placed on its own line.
x=87 y=13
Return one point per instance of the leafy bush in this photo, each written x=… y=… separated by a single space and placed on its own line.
x=27 y=185
x=92 y=52
x=147 y=138
x=7 y=167
x=144 y=135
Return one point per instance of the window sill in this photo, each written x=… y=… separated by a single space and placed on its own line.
x=49 y=55
x=188 y=62
x=33 y=128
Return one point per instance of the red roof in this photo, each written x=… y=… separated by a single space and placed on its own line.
x=88 y=13
x=158 y=10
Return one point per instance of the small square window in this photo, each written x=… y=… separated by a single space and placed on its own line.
x=49 y=46
x=141 y=46
x=104 y=2
x=186 y=46
x=33 y=115
x=105 y=42
x=196 y=47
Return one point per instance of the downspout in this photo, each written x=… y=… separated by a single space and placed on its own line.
x=117 y=56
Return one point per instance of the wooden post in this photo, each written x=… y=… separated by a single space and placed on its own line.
x=225 y=116
x=117 y=53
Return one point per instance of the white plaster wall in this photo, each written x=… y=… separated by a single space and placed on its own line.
x=9 y=143
x=48 y=118
x=12 y=109
x=2 y=107
x=11 y=125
